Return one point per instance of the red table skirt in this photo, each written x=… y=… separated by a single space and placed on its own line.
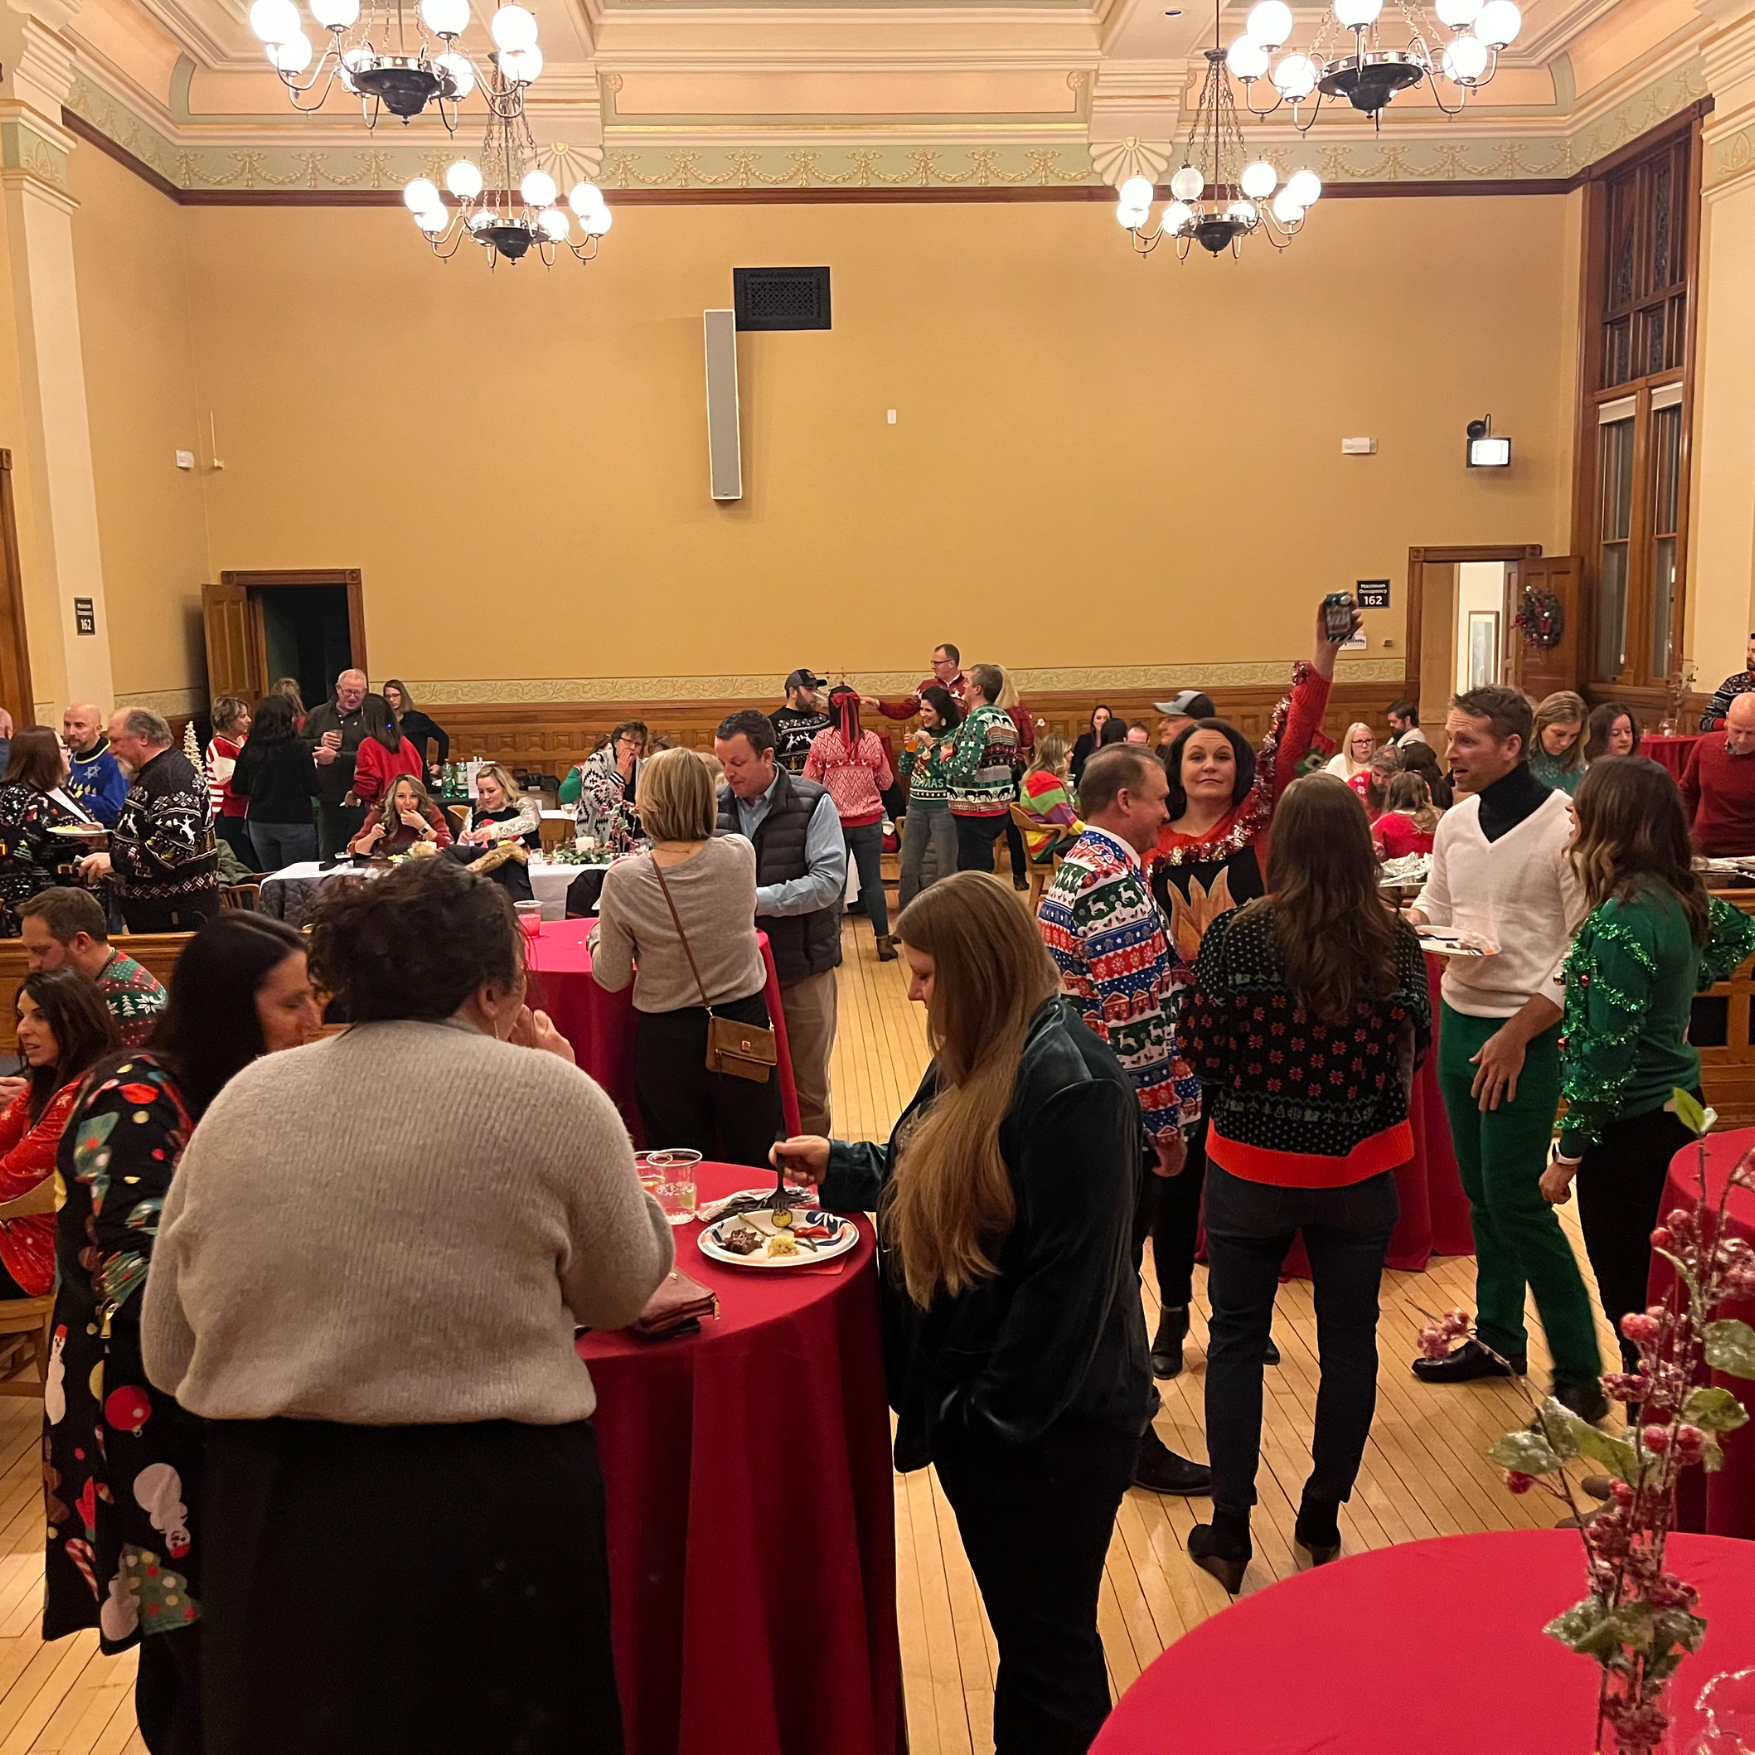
x=1670 y=752
x=1427 y=1648
x=752 y=1514
x=1721 y=1504
x=600 y=1025
x=1435 y=1211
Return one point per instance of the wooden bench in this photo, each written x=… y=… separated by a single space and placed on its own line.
x=157 y=952
x=1720 y=1034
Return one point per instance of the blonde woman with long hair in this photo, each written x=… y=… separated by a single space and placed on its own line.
x=1557 y=748
x=1014 y=1338
x=1354 y=755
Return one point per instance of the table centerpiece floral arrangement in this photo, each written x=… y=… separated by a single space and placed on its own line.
x=1638 y=1620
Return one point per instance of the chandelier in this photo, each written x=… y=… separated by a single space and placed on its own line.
x=1218 y=194
x=374 y=55
x=507 y=203
x=1370 y=70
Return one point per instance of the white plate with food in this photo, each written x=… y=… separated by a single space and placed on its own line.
x=78 y=831
x=800 y=1237
x=1441 y=941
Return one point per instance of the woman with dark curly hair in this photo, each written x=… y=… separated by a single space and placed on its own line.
x=370 y=1273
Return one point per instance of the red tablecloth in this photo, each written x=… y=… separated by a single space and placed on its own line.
x=1435 y=1211
x=600 y=1025
x=1672 y=752
x=752 y=1515
x=1427 y=1648
x=1721 y=1504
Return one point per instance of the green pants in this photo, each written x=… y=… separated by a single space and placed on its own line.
x=1518 y=1241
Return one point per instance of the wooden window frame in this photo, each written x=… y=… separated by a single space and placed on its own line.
x=1638 y=676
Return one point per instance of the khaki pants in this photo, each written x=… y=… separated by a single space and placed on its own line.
x=809 y=1006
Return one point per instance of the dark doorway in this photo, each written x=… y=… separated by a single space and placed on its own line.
x=307 y=637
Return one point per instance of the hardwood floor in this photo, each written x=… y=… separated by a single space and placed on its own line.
x=1425 y=1474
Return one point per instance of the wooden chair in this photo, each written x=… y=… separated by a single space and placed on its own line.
x=241 y=896
x=1041 y=876
x=28 y=1316
x=458 y=817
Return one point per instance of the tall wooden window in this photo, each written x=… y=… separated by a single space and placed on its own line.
x=1631 y=496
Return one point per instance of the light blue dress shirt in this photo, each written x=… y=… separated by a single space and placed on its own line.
x=825 y=856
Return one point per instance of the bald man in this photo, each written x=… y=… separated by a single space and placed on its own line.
x=95 y=783
x=335 y=731
x=1719 y=785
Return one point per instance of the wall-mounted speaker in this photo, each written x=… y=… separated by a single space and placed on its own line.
x=724 y=454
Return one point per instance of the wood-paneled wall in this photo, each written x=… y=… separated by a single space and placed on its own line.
x=548 y=737
x=156 y=952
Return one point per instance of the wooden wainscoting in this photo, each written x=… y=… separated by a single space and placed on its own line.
x=1727 y=1056
x=549 y=737
x=156 y=952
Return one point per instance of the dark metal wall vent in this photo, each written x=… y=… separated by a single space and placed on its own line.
x=781 y=298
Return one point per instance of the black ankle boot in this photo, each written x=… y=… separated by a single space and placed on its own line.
x=1318 y=1530
x=1167 y=1343
x=1223 y=1548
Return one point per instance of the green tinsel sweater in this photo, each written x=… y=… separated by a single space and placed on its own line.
x=1631 y=977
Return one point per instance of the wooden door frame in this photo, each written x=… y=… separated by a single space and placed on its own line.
x=1442 y=556
x=15 y=677
x=296 y=578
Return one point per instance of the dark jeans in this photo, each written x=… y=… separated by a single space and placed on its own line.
x=726 y=1119
x=976 y=837
x=1036 y=1520
x=279 y=845
x=1175 y=1215
x=1250 y=1226
x=865 y=847
x=167 y=1687
x=180 y=914
x=1620 y=1189
x=1014 y=841
x=236 y=831
x=337 y=824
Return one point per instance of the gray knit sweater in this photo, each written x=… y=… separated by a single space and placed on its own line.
x=400 y=1225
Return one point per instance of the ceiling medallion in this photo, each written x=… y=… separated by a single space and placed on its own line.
x=375 y=57
x=1219 y=192
x=507 y=203
x=1370 y=72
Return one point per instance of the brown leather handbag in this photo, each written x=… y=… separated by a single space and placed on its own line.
x=745 y=1051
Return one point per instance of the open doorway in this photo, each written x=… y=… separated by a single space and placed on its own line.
x=265 y=625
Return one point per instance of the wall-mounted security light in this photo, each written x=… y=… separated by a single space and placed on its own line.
x=1485 y=451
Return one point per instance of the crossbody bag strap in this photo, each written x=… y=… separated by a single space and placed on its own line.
x=677 y=920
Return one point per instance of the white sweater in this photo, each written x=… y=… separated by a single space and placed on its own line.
x=1519 y=891
x=401 y=1225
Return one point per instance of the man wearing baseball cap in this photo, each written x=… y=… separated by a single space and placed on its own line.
x=798 y=722
x=1180 y=711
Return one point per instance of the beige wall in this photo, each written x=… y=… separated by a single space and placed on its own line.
x=1097 y=462
x=140 y=396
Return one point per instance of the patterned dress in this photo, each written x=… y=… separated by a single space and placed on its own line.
x=121 y=1459
x=1106 y=937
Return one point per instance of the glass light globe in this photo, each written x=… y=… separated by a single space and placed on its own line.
x=1175 y=216
x=1247 y=58
x=1498 y=23
x=433 y=221
x=513 y=27
x=1187 y=184
x=521 y=66
x=1303 y=188
x=585 y=198
x=1295 y=77
x=1259 y=179
x=538 y=188
x=1128 y=216
x=483 y=216
x=292 y=56
x=1136 y=192
x=1465 y=59
x=420 y=195
x=445 y=18
x=335 y=14
x=1269 y=22
x=1356 y=14
x=1245 y=212
x=462 y=74
x=274 y=21
x=463 y=179
x=596 y=223
x=1458 y=14
x=554 y=224
x=1287 y=211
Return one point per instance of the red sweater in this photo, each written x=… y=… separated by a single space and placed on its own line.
x=375 y=769
x=27 y=1155
x=1400 y=835
x=1719 y=791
